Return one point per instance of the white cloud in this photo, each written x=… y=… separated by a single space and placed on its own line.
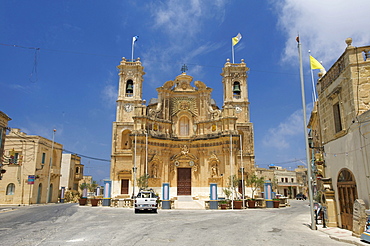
x=182 y=25
x=181 y=20
x=323 y=26
x=109 y=92
x=287 y=132
x=280 y=137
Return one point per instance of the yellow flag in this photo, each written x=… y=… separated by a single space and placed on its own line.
x=315 y=64
x=236 y=39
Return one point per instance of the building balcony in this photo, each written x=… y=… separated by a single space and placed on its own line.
x=78 y=176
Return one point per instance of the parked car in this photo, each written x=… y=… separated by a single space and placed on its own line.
x=146 y=200
x=300 y=196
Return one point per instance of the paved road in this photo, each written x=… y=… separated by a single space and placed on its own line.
x=69 y=224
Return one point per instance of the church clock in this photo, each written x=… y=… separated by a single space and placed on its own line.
x=238 y=109
x=128 y=107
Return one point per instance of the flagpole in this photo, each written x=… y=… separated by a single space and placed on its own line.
x=313 y=83
x=310 y=193
x=232 y=51
x=132 y=49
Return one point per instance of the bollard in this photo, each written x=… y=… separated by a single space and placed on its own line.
x=166 y=203
x=62 y=194
x=107 y=192
x=213 y=203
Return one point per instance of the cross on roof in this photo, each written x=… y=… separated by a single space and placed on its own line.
x=184 y=68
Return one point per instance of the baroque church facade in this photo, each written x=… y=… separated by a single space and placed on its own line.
x=181 y=137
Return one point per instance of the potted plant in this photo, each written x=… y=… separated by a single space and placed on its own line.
x=83 y=199
x=223 y=204
x=238 y=204
x=276 y=203
x=93 y=200
x=227 y=193
x=254 y=183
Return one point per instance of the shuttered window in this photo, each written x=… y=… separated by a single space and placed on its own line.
x=337 y=118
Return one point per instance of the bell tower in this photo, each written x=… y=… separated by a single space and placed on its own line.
x=235 y=88
x=130 y=89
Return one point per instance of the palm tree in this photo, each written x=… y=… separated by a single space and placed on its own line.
x=92 y=186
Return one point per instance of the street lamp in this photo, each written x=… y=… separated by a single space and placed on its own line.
x=134 y=169
x=49 y=172
x=146 y=153
x=242 y=167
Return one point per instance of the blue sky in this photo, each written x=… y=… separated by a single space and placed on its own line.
x=70 y=81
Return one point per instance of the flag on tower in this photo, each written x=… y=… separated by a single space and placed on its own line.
x=315 y=64
x=134 y=39
x=236 y=39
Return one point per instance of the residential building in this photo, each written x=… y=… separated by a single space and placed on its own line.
x=182 y=137
x=71 y=171
x=341 y=121
x=32 y=166
x=285 y=182
x=3 y=127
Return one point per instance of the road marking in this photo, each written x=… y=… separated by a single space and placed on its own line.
x=76 y=240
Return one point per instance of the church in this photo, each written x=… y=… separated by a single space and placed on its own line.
x=182 y=137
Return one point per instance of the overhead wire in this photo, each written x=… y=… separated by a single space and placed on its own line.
x=64 y=150
x=115 y=56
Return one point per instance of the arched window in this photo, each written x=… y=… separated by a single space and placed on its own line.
x=10 y=189
x=126 y=140
x=345 y=176
x=129 y=88
x=184 y=126
x=236 y=89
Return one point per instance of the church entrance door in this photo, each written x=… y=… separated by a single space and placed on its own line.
x=184 y=181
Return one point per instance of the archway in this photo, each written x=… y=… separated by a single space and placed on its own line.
x=347 y=194
x=39 y=192
x=50 y=193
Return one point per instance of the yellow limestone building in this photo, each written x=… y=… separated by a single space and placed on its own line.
x=181 y=137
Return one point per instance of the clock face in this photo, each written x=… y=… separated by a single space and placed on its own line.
x=129 y=107
x=238 y=109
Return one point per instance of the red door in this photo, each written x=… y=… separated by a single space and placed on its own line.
x=124 y=186
x=184 y=181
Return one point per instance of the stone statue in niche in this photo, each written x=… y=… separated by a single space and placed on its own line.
x=214 y=171
x=154 y=171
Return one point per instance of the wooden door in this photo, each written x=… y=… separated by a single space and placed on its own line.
x=184 y=181
x=124 y=186
x=347 y=194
